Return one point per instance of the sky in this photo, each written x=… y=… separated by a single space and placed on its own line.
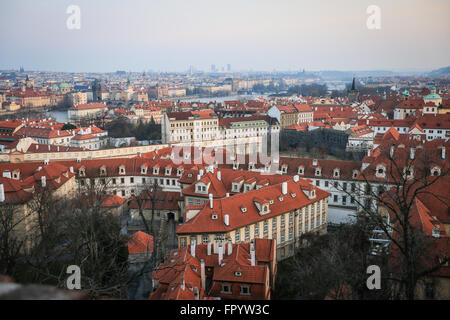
x=171 y=35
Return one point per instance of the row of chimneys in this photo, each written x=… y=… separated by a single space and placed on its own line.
x=221 y=251
x=202 y=263
x=412 y=152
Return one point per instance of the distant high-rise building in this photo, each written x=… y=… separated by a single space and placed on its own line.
x=213 y=68
x=96 y=90
x=229 y=67
x=21 y=70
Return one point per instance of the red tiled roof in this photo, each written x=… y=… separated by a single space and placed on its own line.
x=140 y=242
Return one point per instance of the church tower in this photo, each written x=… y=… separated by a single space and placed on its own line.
x=353 y=93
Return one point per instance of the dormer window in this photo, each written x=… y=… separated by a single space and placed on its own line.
x=318 y=172
x=284 y=168
x=336 y=173
x=280 y=198
x=200 y=187
x=103 y=171
x=408 y=173
x=155 y=170
x=238 y=274
x=168 y=171
x=179 y=172
x=122 y=170
x=266 y=208
x=381 y=171
x=214 y=216
x=235 y=187
x=82 y=172
x=243 y=209
x=250 y=166
x=144 y=169
x=355 y=174
x=301 y=170
x=436 y=171
x=293 y=195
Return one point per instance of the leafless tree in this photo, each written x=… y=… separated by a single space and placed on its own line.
x=11 y=242
x=385 y=200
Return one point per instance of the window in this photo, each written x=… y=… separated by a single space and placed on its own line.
x=123 y=193
x=247 y=233
x=256 y=229
x=326 y=184
x=226 y=288
x=335 y=198
x=237 y=236
x=282 y=221
x=131 y=180
x=245 y=291
x=274 y=223
x=266 y=226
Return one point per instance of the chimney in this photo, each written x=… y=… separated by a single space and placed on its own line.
x=252 y=252
x=202 y=274
x=412 y=152
x=443 y=153
x=219 y=176
x=182 y=284
x=391 y=152
x=208 y=248
x=220 y=253
x=228 y=194
x=2 y=193
x=193 y=248
x=201 y=172
x=230 y=247
x=6 y=174
x=71 y=169
x=211 y=201
x=226 y=220
x=296 y=178
x=284 y=188
x=44 y=181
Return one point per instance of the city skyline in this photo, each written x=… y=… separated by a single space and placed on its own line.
x=260 y=36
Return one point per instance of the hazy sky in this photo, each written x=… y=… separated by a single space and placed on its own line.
x=170 y=35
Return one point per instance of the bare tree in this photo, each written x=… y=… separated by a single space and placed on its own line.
x=11 y=241
x=386 y=198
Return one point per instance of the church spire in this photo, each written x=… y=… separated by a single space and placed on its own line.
x=354 y=83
